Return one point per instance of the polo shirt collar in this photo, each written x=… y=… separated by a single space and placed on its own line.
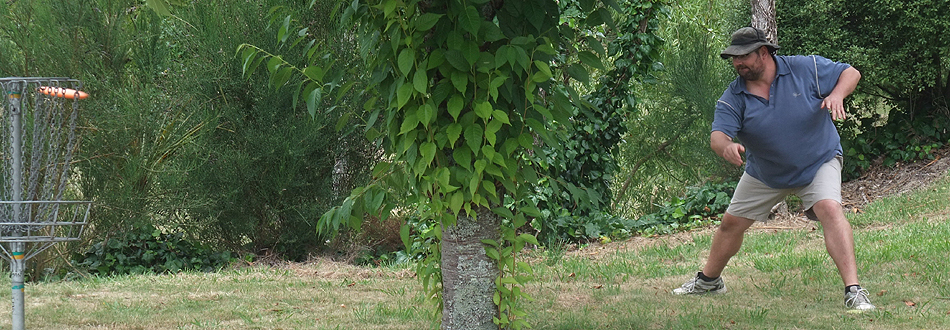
x=781 y=69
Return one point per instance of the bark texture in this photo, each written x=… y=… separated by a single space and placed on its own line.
x=763 y=17
x=468 y=275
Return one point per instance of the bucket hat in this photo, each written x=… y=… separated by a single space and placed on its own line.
x=747 y=40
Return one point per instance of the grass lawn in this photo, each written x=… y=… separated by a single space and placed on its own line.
x=781 y=279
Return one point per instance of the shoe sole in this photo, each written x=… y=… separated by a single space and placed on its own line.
x=720 y=291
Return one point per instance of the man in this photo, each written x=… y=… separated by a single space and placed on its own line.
x=778 y=109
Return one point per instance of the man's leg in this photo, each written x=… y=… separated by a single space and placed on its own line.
x=726 y=243
x=839 y=239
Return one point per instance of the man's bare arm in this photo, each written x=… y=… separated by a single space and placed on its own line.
x=847 y=82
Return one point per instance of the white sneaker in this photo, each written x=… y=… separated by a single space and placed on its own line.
x=857 y=299
x=698 y=286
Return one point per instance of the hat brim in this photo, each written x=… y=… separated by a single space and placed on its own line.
x=739 y=50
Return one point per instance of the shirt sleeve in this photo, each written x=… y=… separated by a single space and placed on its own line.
x=827 y=73
x=728 y=117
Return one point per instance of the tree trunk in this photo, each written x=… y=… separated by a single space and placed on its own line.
x=468 y=275
x=763 y=17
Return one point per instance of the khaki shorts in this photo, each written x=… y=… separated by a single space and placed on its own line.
x=754 y=200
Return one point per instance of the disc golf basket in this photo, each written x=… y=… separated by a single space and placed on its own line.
x=37 y=140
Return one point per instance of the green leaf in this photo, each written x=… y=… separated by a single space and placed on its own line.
x=483 y=110
x=463 y=157
x=435 y=59
x=455 y=202
x=460 y=81
x=605 y=17
x=160 y=7
x=282 y=33
x=428 y=152
x=473 y=136
x=578 y=72
x=544 y=69
x=457 y=60
x=248 y=55
x=597 y=46
x=480 y=166
x=426 y=114
x=491 y=32
x=420 y=82
x=427 y=21
x=343 y=121
x=504 y=212
x=403 y=95
x=490 y=188
x=314 y=73
x=501 y=116
x=590 y=59
x=490 y=130
x=377 y=200
x=529 y=238
x=281 y=77
x=453 y=131
x=613 y=4
x=470 y=52
x=470 y=20
x=408 y=124
x=406 y=61
x=454 y=106
x=404 y=235
x=492 y=253
x=313 y=100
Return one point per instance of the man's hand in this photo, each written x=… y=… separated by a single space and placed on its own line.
x=724 y=147
x=835 y=105
x=847 y=81
x=733 y=153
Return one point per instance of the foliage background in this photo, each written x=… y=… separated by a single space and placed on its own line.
x=175 y=136
x=902 y=49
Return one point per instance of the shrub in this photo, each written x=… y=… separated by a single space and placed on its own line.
x=149 y=250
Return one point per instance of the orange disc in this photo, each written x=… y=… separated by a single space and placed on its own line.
x=71 y=94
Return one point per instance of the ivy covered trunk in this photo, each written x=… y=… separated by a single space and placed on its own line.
x=468 y=274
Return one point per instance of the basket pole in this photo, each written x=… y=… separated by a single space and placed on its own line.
x=17 y=263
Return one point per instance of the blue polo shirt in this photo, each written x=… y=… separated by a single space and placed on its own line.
x=788 y=137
